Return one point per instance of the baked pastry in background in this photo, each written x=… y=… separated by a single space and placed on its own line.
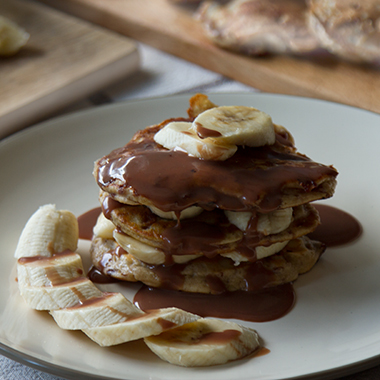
x=347 y=28
x=258 y=27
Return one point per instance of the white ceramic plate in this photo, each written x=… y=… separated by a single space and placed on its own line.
x=334 y=328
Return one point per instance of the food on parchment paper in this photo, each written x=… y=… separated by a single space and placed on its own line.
x=51 y=277
x=179 y=215
x=12 y=37
x=348 y=29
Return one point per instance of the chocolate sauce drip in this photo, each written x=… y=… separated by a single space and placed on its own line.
x=203 y=132
x=97 y=277
x=198 y=234
x=337 y=227
x=108 y=205
x=172 y=180
x=52 y=273
x=86 y=223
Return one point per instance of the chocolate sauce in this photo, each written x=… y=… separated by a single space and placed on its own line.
x=203 y=132
x=219 y=337
x=97 y=277
x=86 y=223
x=31 y=259
x=260 y=306
x=337 y=227
x=52 y=274
x=254 y=304
x=198 y=234
x=173 y=180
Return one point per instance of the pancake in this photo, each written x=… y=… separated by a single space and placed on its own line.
x=209 y=276
x=209 y=233
x=146 y=189
x=262 y=179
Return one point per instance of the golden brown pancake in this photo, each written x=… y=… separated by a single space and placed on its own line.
x=209 y=276
x=215 y=234
x=262 y=179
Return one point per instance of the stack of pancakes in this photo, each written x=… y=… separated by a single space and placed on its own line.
x=174 y=221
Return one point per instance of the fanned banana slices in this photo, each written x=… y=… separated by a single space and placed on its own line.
x=51 y=277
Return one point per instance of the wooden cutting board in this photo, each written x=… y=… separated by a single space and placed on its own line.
x=65 y=59
x=173 y=28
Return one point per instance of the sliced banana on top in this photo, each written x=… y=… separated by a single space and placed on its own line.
x=12 y=37
x=180 y=136
x=215 y=133
x=237 y=125
x=204 y=342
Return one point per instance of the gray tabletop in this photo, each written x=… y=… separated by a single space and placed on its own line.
x=160 y=74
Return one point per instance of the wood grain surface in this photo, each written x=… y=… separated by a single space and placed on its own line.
x=65 y=60
x=172 y=28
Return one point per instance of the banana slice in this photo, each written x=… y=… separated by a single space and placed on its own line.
x=107 y=309
x=204 y=342
x=146 y=253
x=238 y=125
x=59 y=296
x=140 y=326
x=49 y=271
x=48 y=231
x=187 y=213
x=12 y=37
x=180 y=136
x=271 y=223
x=104 y=227
x=261 y=252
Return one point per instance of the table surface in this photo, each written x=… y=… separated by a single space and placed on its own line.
x=160 y=74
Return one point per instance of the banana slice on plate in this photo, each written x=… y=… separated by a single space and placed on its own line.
x=107 y=309
x=140 y=326
x=48 y=231
x=49 y=271
x=59 y=296
x=204 y=342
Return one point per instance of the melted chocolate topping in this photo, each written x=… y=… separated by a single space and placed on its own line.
x=253 y=178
